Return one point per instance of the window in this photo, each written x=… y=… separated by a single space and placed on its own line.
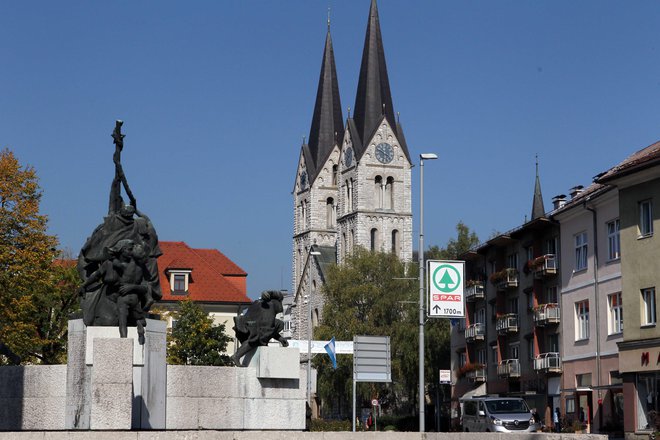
x=513 y=305
x=395 y=242
x=480 y=316
x=530 y=348
x=514 y=351
x=583 y=380
x=581 y=251
x=462 y=359
x=551 y=295
x=335 y=174
x=179 y=283
x=481 y=356
x=512 y=261
x=648 y=306
x=374 y=240
x=378 y=191
x=570 y=405
x=551 y=246
x=613 y=240
x=530 y=253
x=389 y=193
x=495 y=354
x=330 y=212
x=645 y=218
x=615 y=313
x=582 y=315
x=553 y=343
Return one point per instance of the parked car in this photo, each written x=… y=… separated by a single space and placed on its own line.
x=498 y=414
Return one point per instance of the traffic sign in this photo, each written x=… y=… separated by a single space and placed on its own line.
x=445 y=376
x=446 y=289
x=374 y=402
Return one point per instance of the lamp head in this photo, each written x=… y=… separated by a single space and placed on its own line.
x=428 y=156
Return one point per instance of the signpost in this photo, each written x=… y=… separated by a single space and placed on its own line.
x=371 y=362
x=446 y=289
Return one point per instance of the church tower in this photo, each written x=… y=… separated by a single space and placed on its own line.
x=316 y=185
x=353 y=183
x=375 y=169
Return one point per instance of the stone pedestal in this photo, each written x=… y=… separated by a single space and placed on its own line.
x=274 y=363
x=147 y=365
x=112 y=384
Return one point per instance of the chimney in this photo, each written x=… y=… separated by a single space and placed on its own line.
x=576 y=191
x=558 y=201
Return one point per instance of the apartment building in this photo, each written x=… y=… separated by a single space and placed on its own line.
x=591 y=304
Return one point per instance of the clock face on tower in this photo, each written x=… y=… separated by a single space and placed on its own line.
x=348 y=157
x=384 y=153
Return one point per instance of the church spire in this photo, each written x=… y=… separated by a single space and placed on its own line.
x=538 y=210
x=327 y=122
x=373 y=99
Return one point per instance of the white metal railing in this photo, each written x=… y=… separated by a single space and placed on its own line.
x=475 y=331
x=509 y=368
x=507 y=323
x=509 y=279
x=548 y=362
x=547 y=314
x=547 y=267
x=474 y=292
x=478 y=375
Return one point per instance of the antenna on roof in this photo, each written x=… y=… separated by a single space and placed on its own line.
x=398 y=117
x=328 y=16
x=383 y=109
x=537 y=164
x=349 y=112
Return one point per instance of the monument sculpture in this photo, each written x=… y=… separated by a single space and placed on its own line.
x=258 y=325
x=118 y=262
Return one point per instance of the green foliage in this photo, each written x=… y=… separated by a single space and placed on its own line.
x=195 y=340
x=370 y=295
x=464 y=241
x=330 y=425
x=36 y=294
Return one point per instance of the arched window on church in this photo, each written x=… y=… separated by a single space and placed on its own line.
x=378 y=192
x=352 y=243
x=330 y=213
x=389 y=193
x=345 y=245
x=395 y=242
x=374 y=240
x=315 y=318
x=335 y=175
x=348 y=197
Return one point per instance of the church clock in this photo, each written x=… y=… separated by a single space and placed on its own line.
x=384 y=153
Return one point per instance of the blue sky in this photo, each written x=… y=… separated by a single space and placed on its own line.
x=217 y=95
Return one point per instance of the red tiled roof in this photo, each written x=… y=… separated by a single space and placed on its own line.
x=638 y=160
x=207 y=282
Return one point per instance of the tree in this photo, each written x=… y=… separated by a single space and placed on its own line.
x=29 y=282
x=195 y=340
x=464 y=241
x=373 y=294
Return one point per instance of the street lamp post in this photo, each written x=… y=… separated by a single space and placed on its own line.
x=309 y=326
x=422 y=158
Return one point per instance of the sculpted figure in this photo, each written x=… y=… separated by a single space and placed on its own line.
x=258 y=324
x=107 y=265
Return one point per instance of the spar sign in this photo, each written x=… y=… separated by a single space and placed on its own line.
x=446 y=289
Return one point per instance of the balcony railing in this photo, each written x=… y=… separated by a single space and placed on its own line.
x=546 y=314
x=474 y=292
x=475 y=332
x=507 y=323
x=478 y=375
x=544 y=266
x=509 y=368
x=505 y=279
x=548 y=362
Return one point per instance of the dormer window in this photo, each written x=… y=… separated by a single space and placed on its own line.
x=179 y=281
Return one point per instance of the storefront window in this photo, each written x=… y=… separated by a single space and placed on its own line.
x=647 y=400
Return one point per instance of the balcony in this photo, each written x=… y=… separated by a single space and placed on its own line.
x=505 y=279
x=475 y=291
x=548 y=363
x=475 y=332
x=544 y=266
x=477 y=375
x=507 y=323
x=509 y=368
x=546 y=314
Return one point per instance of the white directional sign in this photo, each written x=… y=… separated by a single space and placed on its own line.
x=446 y=289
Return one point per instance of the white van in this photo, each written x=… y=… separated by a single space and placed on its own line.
x=498 y=414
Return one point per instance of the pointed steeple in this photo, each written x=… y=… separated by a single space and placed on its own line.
x=538 y=210
x=373 y=99
x=327 y=122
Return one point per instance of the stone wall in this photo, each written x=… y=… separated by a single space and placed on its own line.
x=32 y=397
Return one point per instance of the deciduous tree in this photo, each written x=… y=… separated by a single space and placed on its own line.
x=195 y=340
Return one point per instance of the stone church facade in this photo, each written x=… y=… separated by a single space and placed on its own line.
x=353 y=180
